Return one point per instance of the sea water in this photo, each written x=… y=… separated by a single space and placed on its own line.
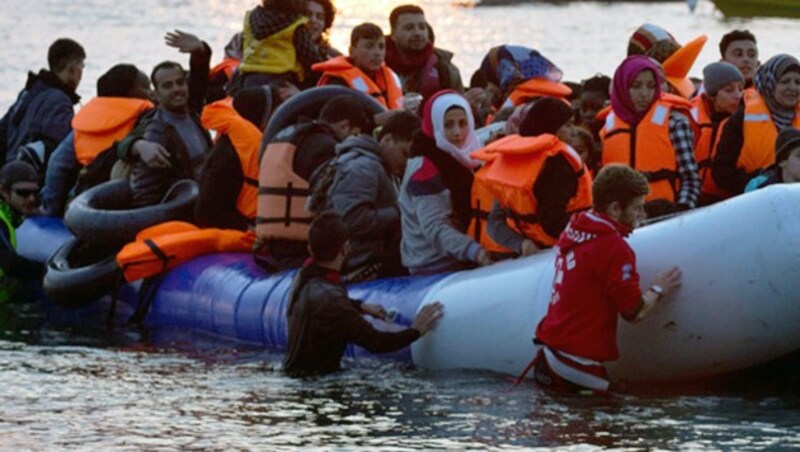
x=123 y=387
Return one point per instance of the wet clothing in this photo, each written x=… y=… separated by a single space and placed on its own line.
x=596 y=281
x=364 y=195
x=43 y=112
x=425 y=72
x=322 y=320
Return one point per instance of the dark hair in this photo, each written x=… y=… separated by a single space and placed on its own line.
x=598 y=83
x=291 y=7
x=62 y=53
x=401 y=125
x=619 y=183
x=366 y=30
x=346 y=107
x=403 y=9
x=330 y=11
x=326 y=236
x=478 y=79
x=165 y=65
x=117 y=81
x=735 y=35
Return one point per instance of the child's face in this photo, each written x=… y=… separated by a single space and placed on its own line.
x=456 y=126
x=395 y=153
x=791 y=166
x=368 y=54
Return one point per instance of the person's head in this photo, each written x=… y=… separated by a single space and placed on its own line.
x=652 y=41
x=328 y=240
x=619 y=191
x=409 y=28
x=19 y=187
x=724 y=86
x=345 y=114
x=65 y=59
x=447 y=119
x=547 y=115
x=367 y=47
x=251 y=104
x=581 y=140
x=787 y=154
x=171 y=86
x=320 y=14
x=291 y=7
x=740 y=48
x=636 y=85
x=778 y=82
x=395 y=139
x=594 y=96
x=124 y=80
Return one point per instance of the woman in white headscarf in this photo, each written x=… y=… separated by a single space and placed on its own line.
x=436 y=187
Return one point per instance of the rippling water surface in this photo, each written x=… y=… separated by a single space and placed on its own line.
x=67 y=388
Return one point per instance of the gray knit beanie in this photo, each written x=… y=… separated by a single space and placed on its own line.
x=717 y=75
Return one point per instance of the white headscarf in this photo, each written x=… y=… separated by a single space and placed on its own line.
x=462 y=154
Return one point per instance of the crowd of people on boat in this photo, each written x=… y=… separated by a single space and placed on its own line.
x=427 y=173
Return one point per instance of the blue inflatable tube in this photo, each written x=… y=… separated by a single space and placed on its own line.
x=227 y=294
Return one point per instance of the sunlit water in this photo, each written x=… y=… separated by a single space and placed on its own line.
x=68 y=388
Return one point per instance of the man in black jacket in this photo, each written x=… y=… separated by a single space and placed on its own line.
x=323 y=319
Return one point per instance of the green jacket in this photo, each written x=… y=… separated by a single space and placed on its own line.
x=9 y=220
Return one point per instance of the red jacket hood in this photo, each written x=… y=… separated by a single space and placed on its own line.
x=587 y=226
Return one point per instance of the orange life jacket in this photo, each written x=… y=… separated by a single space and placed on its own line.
x=386 y=88
x=246 y=139
x=282 y=193
x=536 y=87
x=102 y=121
x=512 y=174
x=647 y=147
x=706 y=147
x=760 y=132
x=481 y=202
x=165 y=246
x=226 y=66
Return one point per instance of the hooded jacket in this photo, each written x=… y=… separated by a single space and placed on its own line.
x=43 y=112
x=596 y=280
x=364 y=195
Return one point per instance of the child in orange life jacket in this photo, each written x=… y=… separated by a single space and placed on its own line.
x=596 y=281
x=561 y=186
x=747 y=142
x=724 y=87
x=364 y=70
x=653 y=133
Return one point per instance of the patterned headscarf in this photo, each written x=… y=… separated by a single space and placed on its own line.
x=767 y=80
x=624 y=76
x=507 y=66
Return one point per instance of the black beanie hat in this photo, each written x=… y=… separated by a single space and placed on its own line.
x=787 y=141
x=547 y=115
x=252 y=104
x=117 y=81
x=17 y=171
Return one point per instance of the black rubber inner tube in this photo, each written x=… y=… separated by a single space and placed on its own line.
x=308 y=104
x=102 y=214
x=80 y=273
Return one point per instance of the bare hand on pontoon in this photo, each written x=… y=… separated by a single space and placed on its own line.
x=428 y=317
x=184 y=42
x=152 y=154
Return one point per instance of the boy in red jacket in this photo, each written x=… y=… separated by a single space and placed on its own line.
x=595 y=281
